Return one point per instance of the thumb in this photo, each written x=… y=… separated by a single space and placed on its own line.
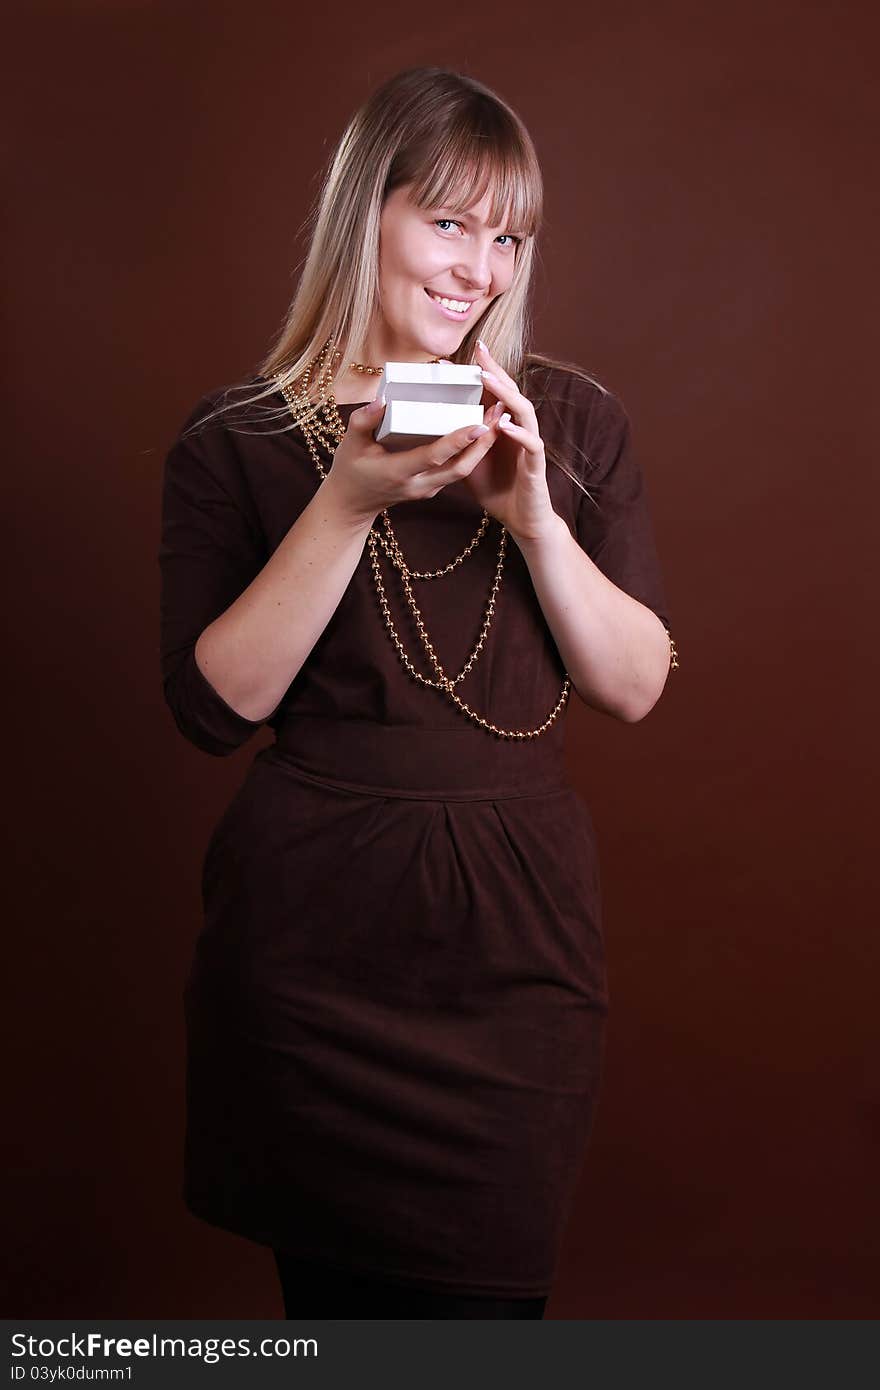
x=365 y=417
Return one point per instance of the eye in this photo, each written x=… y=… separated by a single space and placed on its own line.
x=515 y=240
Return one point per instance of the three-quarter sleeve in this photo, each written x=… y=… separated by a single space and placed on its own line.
x=615 y=528
x=209 y=553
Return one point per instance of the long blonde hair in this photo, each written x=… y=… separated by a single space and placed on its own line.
x=450 y=139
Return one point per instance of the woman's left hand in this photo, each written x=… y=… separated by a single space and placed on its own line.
x=510 y=481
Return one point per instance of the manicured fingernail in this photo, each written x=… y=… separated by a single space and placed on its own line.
x=477 y=431
x=482 y=344
x=505 y=418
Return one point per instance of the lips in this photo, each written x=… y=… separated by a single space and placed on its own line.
x=451 y=313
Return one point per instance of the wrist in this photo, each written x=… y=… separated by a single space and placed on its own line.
x=344 y=514
x=540 y=537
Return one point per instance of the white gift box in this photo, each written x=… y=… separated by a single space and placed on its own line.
x=424 y=400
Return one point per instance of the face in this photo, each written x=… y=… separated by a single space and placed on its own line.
x=427 y=252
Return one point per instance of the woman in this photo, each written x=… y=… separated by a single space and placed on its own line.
x=395 y=1013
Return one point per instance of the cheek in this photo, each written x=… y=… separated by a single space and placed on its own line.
x=426 y=256
x=411 y=269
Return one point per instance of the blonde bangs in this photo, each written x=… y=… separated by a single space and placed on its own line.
x=461 y=166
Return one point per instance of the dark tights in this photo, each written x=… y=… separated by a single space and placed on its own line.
x=312 y=1290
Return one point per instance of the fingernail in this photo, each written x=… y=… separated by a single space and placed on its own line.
x=477 y=431
x=482 y=344
x=505 y=418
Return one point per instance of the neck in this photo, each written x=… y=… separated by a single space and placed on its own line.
x=350 y=385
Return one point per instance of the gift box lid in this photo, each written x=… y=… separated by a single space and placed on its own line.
x=456 y=383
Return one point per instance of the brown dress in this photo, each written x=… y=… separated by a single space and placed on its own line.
x=395 y=1011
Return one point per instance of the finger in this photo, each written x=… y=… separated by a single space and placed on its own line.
x=512 y=397
x=488 y=363
x=440 y=475
x=487 y=436
x=527 y=439
x=498 y=386
x=449 y=446
x=460 y=464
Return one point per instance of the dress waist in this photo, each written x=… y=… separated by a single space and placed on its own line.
x=410 y=760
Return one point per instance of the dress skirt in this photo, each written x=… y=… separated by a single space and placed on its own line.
x=395 y=1012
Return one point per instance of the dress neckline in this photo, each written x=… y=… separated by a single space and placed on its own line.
x=340 y=405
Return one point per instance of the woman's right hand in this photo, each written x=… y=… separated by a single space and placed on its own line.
x=369 y=477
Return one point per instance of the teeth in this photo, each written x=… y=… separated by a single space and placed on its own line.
x=458 y=305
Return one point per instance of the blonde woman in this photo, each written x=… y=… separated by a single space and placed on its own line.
x=395 y=1011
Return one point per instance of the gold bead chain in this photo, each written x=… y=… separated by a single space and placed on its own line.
x=371 y=371
x=392 y=550
x=329 y=431
x=406 y=574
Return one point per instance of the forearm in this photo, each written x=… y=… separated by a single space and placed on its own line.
x=614 y=648
x=252 y=652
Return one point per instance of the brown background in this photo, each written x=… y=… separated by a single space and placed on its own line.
x=712 y=231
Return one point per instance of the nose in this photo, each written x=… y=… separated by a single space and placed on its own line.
x=474 y=270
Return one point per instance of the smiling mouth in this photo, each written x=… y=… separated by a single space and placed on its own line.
x=452 y=313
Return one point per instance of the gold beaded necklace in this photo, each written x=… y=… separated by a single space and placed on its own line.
x=322 y=422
